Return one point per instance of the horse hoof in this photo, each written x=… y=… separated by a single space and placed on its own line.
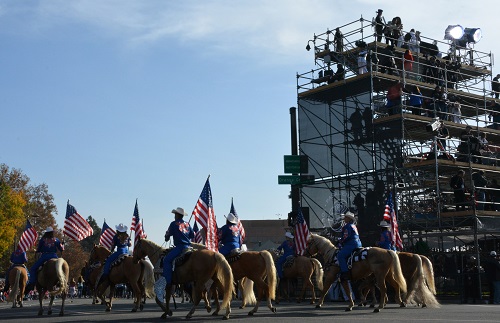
x=242 y=307
x=318 y=306
x=250 y=313
x=188 y=317
x=134 y=310
x=49 y=312
x=209 y=309
x=141 y=307
x=273 y=309
x=348 y=309
x=376 y=310
x=372 y=306
x=163 y=316
x=424 y=305
x=169 y=313
x=108 y=309
x=225 y=317
x=402 y=305
x=360 y=304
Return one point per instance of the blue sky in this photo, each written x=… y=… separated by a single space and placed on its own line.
x=108 y=101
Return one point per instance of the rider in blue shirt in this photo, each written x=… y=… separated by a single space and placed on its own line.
x=288 y=248
x=121 y=241
x=349 y=241
x=229 y=235
x=385 y=241
x=47 y=248
x=17 y=258
x=182 y=233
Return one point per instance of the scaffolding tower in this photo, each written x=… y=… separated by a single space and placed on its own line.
x=361 y=146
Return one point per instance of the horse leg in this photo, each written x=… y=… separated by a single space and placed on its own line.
x=137 y=295
x=197 y=291
x=49 y=311
x=40 y=298
x=168 y=293
x=395 y=285
x=216 y=286
x=63 y=299
x=307 y=283
x=348 y=291
x=329 y=279
x=383 y=292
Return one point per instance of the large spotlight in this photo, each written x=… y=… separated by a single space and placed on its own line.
x=453 y=32
x=473 y=35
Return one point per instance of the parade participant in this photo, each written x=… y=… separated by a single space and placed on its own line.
x=385 y=241
x=48 y=246
x=288 y=248
x=17 y=258
x=182 y=234
x=229 y=235
x=121 y=241
x=348 y=241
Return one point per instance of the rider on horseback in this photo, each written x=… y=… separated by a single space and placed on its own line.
x=17 y=258
x=288 y=248
x=348 y=242
x=229 y=235
x=182 y=234
x=47 y=248
x=121 y=241
x=385 y=241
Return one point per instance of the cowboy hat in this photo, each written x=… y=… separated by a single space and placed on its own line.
x=289 y=235
x=349 y=215
x=384 y=224
x=493 y=253
x=380 y=10
x=49 y=229
x=231 y=218
x=121 y=228
x=180 y=211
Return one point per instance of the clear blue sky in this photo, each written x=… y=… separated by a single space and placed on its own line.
x=109 y=101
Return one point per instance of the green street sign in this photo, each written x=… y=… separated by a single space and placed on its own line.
x=295 y=164
x=295 y=179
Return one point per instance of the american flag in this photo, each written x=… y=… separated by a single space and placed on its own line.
x=301 y=233
x=136 y=225
x=107 y=235
x=390 y=215
x=75 y=226
x=240 y=225
x=28 y=238
x=197 y=233
x=204 y=214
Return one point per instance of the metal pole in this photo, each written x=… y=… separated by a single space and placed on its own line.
x=295 y=190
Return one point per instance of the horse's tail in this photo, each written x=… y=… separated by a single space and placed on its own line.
x=247 y=293
x=149 y=279
x=318 y=270
x=271 y=273
x=428 y=274
x=15 y=288
x=61 y=277
x=225 y=277
x=397 y=272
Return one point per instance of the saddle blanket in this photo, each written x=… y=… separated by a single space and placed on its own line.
x=178 y=261
x=357 y=255
x=234 y=255
x=289 y=262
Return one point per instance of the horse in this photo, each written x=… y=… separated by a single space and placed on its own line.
x=419 y=276
x=384 y=264
x=53 y=278
x=303 y=267
x=91 y=274
x=199 y=267
x=127 y=271
x=18 y=275
x=256 y=267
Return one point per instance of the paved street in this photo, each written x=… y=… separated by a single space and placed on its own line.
x=80 y=310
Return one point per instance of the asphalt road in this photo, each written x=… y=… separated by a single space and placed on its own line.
x=81 y=310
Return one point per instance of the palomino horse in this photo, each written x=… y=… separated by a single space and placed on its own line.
x=419 y=276
x=53 y=278
x=199 y=268
x=127 y=271
x=256 y=267
x=18 y=276
x=384 y=264
x=304 y=268
x=90 y=274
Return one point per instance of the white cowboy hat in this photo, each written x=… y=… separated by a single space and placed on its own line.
x=232 y=218
x=289 y=235
x=384 y=224
x=121 y=228
x=180 y=211
x=349 y=215
x=49 y=229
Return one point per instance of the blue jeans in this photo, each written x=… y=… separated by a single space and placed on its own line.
x=167 y=262
x=279 y=265
x=43 y=258
x=342 y=256
x=111 y=259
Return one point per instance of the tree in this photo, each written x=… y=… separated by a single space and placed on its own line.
x=88 y=243
x=11 y=218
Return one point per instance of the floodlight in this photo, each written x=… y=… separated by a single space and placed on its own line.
x=473 y=35
x=453 y=32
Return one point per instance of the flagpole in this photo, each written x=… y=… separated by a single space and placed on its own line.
x=195 y=205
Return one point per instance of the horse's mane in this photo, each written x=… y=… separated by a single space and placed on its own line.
x=153 y=244
x=323 y=243
x=198 y=246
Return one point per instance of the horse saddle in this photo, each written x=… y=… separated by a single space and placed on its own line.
x=119 y=260
x=182 y=258
x=233 y=255
x=289 y=261
x=358 y=254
